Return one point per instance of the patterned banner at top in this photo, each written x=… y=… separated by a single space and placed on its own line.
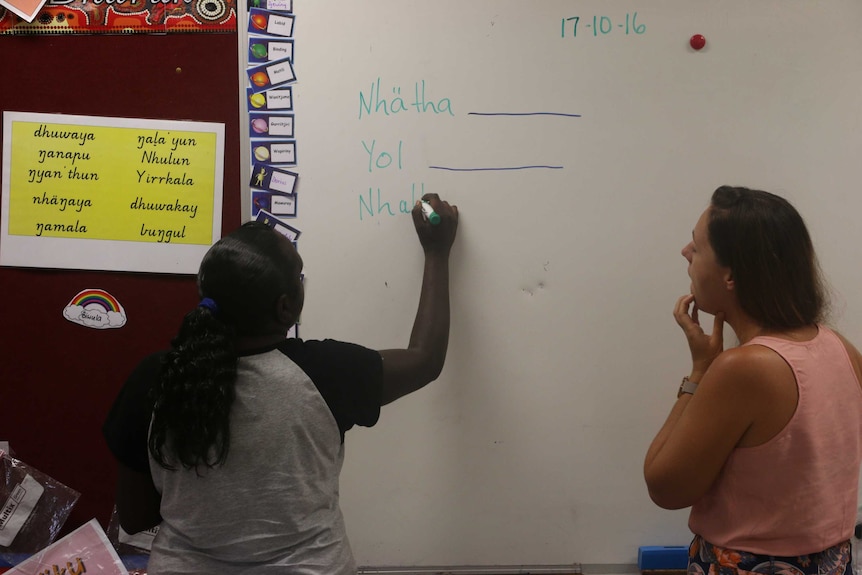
x=124 y=17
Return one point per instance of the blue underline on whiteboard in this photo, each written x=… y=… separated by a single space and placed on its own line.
x=523 y=114
x=496 y=169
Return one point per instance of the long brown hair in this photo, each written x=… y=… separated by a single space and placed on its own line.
x=766 y=245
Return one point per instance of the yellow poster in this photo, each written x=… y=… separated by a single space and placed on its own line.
x=131 y=194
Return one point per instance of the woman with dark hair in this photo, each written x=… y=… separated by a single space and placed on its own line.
x=233 y=440
x=764 y=441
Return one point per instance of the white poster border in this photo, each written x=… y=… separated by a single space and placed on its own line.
x=99 y=254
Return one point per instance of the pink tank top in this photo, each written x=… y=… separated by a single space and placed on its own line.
x=796 y=493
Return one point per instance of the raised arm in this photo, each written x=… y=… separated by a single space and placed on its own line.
x=406 y=370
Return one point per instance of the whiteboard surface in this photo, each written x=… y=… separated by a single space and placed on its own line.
x=564 y=358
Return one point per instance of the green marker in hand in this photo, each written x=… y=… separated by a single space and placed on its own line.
x=429 y=214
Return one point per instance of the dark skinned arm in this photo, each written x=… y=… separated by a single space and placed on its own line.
x=410 y=369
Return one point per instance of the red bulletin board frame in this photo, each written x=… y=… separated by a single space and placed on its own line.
x=57 y=378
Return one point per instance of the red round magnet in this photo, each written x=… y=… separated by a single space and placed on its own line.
x=697 y=41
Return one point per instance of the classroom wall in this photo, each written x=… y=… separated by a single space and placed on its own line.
x=564 y=358
x=58 y=379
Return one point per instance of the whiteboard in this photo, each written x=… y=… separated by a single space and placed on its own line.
x=564 y=358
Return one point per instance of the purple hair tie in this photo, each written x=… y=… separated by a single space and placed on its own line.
x=210 y=304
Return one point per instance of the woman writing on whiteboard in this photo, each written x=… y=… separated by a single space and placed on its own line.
x=244 y=451
x=764 y=441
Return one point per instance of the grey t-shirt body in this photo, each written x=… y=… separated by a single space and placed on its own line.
x=273 y=506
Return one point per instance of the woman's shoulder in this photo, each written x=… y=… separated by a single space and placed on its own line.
x=750 y=369
x=747 y=359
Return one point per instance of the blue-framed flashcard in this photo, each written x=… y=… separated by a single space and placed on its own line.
x=278 y=100
x=272 y=5
x=268 y=178
x=274 y=151
x=269 y=49
x=278 y=225
x=270 y=23
x=270 y=124
x=271 y=75
x=279 y=205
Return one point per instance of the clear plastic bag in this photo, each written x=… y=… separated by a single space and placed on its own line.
x=125 y=544
x=34 y=508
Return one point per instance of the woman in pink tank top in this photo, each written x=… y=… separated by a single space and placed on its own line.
x=764 y=442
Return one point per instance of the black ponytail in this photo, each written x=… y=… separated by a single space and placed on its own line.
x=194 y=394
x=241 y=278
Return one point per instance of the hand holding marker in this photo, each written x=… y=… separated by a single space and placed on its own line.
x=428 y=213
x=436 y=222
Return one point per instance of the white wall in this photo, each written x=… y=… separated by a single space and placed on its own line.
x=564 y=357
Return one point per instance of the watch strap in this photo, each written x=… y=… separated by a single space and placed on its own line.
x=687 y=386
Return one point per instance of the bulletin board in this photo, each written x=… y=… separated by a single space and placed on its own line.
x=58 y=377
x=581 y=141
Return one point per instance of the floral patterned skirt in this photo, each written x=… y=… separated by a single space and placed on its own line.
x=704 y=558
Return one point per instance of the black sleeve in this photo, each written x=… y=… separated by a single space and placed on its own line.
x=348 y=376
x=126 y=427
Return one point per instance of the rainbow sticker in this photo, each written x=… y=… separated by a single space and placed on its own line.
x=95 y=308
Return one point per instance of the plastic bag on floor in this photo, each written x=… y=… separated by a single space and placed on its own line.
x=34 y=508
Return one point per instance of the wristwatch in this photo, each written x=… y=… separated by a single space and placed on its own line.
x=687 y=386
